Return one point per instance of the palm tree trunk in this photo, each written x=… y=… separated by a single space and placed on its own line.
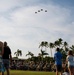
x=51 y=52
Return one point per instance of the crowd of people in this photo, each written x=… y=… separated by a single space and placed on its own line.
x=33 y=66
x=65 y=68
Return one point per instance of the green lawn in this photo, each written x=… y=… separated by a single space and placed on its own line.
x=19 y=72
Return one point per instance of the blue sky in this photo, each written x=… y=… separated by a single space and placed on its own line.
x=24 y=30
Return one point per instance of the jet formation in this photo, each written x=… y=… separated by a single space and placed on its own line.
x=40 y=11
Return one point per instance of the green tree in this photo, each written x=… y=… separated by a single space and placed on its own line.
x=51 y=45
x=18 y=53
x=66 y=46
x=63 y=47
x=46 y=45
x=42 y=54
x=30 y=54
x=43 y=44
x=58 y=42
x=72 y=48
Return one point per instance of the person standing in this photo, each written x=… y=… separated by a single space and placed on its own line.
x=70 y=60
x=58 y=61
x=7 y=57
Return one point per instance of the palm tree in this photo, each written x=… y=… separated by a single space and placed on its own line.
x=72 y=48
x=46 y=45
x=30 y=54
x=51 y=45
x=64 y=53
x=58 y=42
x=18 y=53
x=65 y=45
x=43 y=44
x=42 y=54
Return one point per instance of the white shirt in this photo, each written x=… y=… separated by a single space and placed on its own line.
x=70 y=60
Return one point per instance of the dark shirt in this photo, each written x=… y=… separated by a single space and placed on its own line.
x=6 y=53
x=0 y=50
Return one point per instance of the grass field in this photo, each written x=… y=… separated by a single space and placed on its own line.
x=19 y=72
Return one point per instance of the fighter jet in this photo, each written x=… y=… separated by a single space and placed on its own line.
x=45 y=10
x=38 y=10
x=41 y=9
x=35 y=12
